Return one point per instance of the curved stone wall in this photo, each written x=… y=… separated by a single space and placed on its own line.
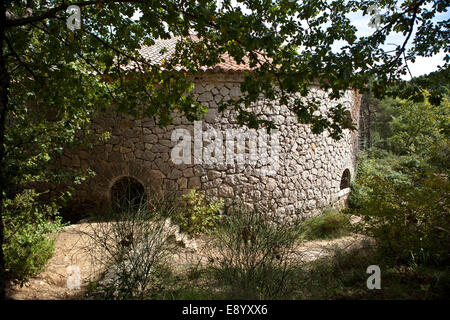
x=307 y=178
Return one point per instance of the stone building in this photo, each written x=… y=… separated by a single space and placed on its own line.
x=311 y=172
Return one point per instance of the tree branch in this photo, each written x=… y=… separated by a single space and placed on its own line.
x=23 y=64
x=86 y=60
x=51 y=13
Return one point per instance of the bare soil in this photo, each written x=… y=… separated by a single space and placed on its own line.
x=71 y=250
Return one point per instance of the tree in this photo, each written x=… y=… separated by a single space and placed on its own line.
x=413 y=126
x=417 y=128
x=288 y=44
x=368 y=102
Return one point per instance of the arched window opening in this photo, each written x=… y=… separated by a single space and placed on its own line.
x=345 y=179
x=127 y=194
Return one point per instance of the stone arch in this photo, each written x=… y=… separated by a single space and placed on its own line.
x=127 y=192
x=345 y=179
x=107 y=174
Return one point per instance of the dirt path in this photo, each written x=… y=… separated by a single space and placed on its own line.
x=52 y=283
x=70 y=250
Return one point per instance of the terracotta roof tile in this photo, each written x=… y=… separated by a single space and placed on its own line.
x=153 y=55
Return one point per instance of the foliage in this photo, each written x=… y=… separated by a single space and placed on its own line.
x=433 y=87
x=407 y=128
x=43 y=54
x=198 y=215
x=401 y=189
x=339 y=276
x=328 y=225
x=249 y=254
x=343 y=276
x=409 y=220
x=386 y=165
x=417 y=128
x=29 y=235
x=132 y=246
x=35 y=136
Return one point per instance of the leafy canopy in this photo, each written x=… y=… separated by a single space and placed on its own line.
x=55 y=68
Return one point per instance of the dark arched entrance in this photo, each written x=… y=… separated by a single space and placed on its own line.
x=345 y=179
x=127 y=193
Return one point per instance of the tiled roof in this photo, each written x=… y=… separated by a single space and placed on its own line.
x=153 y=55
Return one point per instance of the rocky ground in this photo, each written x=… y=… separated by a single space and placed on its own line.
x=71 y=253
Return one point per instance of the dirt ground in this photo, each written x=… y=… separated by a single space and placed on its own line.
x=51 y=284
x=70 y=250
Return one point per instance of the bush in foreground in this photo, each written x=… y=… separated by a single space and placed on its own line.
x=131 y=246
x=29 y=235
x=250 y=254
x=198 y=215
x=409 y=220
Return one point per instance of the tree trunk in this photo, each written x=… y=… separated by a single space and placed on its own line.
x=366 y=119
x=369 y=126
x=4 y=84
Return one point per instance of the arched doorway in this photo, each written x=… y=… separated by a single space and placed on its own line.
x=127 y=193
x=345 y=179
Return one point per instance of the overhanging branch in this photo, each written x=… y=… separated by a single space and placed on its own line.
x=11 y=21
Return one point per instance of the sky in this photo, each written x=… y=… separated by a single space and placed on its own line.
x=422 y=65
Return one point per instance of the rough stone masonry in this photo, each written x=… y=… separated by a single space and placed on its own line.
x=309 y=177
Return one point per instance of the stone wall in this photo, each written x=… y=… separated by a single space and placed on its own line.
x=307 y=179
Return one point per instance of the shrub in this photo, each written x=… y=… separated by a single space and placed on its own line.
x=198 y=215
x=132 y=246
x=408 y=220
x=29 y=243
x=250 y=252
x=330 y=224
x=399 y=170
x=343 y=276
